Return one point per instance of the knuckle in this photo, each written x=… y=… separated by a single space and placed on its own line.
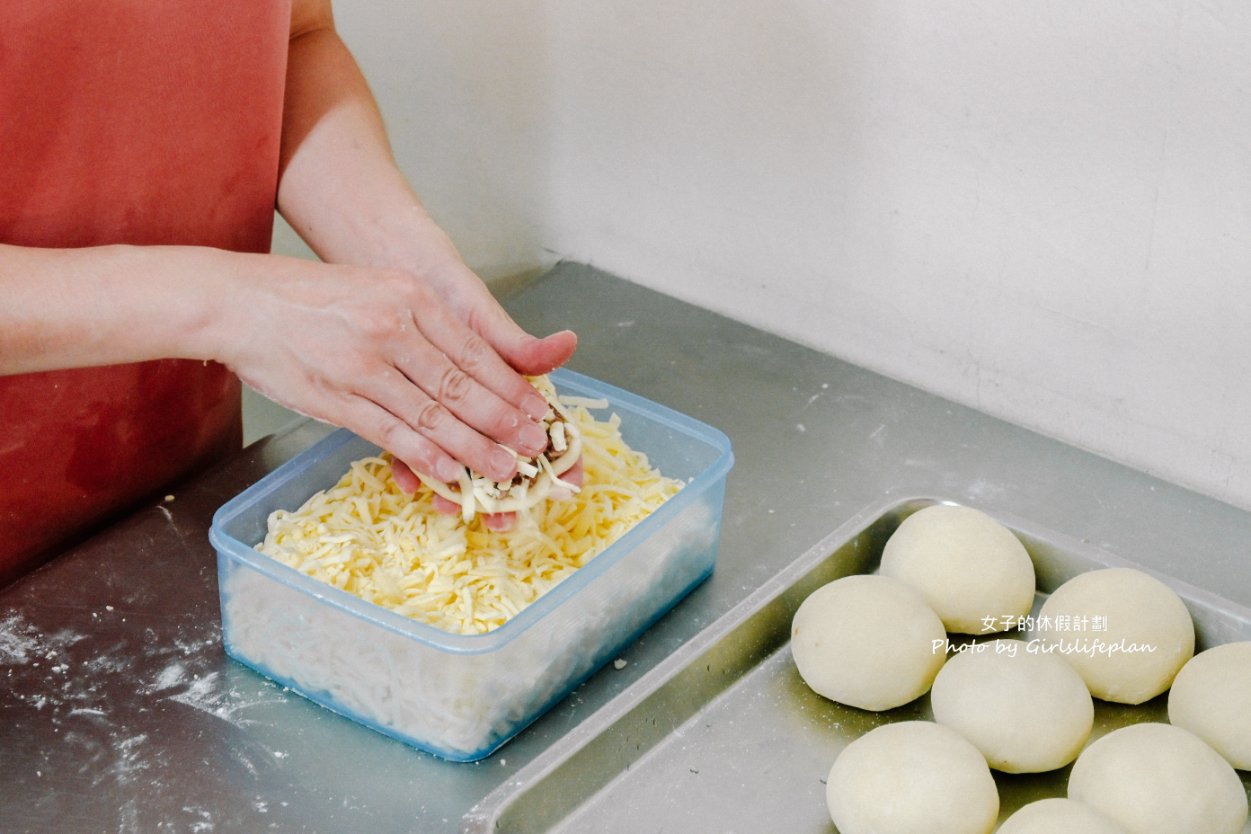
x=483 y=318
x=430 y=417
x=454 y=385
x=392 y=434
x=474 y=352
x=373 y=326
x=337 y=366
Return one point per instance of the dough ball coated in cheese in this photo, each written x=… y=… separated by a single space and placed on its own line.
x=867 y=641
x=1211 y=697
x=970 y=568
x=1058 y=815
x=1125 y=632
x=1026 y=712
x=1160 y=779
x=912 y=777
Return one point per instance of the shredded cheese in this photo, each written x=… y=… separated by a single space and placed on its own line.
x=369 y=538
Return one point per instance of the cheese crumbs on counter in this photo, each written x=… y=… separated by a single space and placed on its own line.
x=369 y=538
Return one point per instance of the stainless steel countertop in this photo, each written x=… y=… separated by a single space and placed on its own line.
x=120 y=712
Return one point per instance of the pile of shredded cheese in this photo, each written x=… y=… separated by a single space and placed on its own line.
x=371 y=539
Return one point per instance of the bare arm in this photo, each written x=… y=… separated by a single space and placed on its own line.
x=452 y=369
x=398 y=340
x=65 y=308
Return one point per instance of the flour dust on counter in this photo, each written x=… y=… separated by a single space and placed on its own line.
x=103 y=744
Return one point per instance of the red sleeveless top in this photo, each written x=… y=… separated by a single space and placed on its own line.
x=127 y=121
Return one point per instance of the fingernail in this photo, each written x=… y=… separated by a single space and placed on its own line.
x=406 y=481
x=534 y=405
x=533 y=437
x=499 y=522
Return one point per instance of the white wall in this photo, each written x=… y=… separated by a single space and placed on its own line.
x=1041 y=208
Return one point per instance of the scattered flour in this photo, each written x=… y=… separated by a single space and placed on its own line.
x=129 y=761
x=92 y=694
x=171 y=676
x=22 y=640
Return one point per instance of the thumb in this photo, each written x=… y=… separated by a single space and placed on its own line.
x=533 y=356
x=527 y=354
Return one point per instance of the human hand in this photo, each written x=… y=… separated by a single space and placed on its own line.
x=406 y=480
x=430 y=368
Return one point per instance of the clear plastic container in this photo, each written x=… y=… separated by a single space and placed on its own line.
x=458 y=696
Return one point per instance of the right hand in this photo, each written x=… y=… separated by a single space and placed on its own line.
x=379 y=352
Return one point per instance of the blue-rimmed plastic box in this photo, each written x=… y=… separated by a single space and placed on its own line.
x=462 y=696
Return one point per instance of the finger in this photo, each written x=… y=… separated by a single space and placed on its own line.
x=474 y=354
x=540 y=356
x=474 y=303
x=432 y=421
x=473 y=403
x=412 y=449
x=404 y=477
x=522 y=351
x=499 y=522
x=445 y=507
x=574 y=475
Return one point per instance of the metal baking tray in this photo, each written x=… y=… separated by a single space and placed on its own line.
x=724 y=735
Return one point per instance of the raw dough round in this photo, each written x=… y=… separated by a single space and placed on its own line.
x=970 y=568
x=1160 y=779
x=1211 y=697
x=913 y=777
x=1026 y=712
x=1125 y=632
x=1059 y=816
x=867 y=641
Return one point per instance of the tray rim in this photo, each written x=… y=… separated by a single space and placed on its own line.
x=483 y=816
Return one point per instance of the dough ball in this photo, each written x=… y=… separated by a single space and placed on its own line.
x=1026 y=712
x=1126 y=633
x=1059 y=816
x=913 y=777
x=970 y=568
x=1211 y=697
x=867 y=641
x=1160 y=779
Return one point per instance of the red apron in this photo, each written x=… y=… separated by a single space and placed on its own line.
x=127 y=121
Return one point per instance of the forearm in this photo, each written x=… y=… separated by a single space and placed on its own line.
x=443 y=381
x=339 y=187
x=103 y=305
